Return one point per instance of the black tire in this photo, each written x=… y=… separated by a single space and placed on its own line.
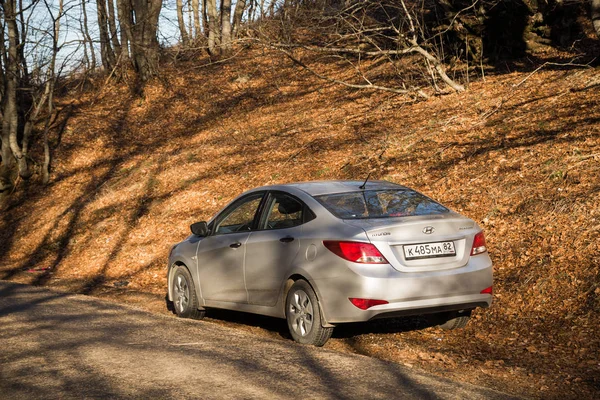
x=185 y=301
x=455 y=323
x=455 y=320
x=303 y=315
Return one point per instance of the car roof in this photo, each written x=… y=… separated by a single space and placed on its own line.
x=316 y=188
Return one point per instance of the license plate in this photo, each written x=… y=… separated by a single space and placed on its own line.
x=429 y=250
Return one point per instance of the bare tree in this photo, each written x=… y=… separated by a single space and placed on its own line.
x=240 y=6
x=213 y=32
x=222 y=28
x=196 y=12
x=226 y=25
x=107 y=54
x=112 y=26
x=205 y=17
x=124 y=13
x=138 y=20
x=9 y=110
x=87 y=39
x=24 y=97
x=48 y=94
x=596 y=15
x=181 y=23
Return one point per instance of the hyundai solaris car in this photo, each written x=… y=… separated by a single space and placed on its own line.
x=325 y=253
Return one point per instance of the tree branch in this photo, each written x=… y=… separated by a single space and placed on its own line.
x=419 y=92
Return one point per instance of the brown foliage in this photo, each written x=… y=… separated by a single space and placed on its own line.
x=133 y=172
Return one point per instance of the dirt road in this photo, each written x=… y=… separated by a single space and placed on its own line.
x=57 y=345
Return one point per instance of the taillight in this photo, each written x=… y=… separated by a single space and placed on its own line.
x=478 y=244
x=364 y=304
x=487 y=290
x=358 y=252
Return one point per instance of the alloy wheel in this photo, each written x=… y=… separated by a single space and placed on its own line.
x=301 y=310
x=182 y=293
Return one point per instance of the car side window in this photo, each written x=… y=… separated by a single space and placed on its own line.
x=240 y=217
x=284 y=212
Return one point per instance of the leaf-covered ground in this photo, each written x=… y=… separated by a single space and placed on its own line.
x=519 y=152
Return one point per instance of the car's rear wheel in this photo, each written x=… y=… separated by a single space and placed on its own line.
x=455 y=320
x=185 y=301
x=304 y=316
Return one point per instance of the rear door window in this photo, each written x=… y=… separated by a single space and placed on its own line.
x=284 y=211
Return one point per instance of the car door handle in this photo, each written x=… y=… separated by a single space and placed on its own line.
x=235 y=245
x=286 y=239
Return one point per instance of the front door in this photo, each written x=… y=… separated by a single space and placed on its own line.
x=221 y=255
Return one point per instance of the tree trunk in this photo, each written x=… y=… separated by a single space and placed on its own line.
x=213 y=32
x=204 y=18
x=124 y=13
x=106 y=51
x=226 y=25
x=196 y=12
x=251 y=10
x=262 y=9
x=237 y=15
x=596 y=16
x=87 y=39
x=272 y=8
x=144 y=45
x=10 y=111
x=181 y=22
x=113 y=28
x=49 y=91
x=21 y=49
x=7 y=160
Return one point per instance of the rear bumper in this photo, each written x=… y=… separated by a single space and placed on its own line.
x=406 y=293
x=432 y=310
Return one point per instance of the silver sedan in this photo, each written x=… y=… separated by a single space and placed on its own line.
x=324 y=253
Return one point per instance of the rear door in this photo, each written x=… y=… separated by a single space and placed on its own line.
x=271 y=250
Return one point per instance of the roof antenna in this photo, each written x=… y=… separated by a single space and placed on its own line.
x=362 y=187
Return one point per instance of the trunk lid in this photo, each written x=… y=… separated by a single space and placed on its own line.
x=422 y=243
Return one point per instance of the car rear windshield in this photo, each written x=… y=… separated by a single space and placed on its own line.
x=380 y=204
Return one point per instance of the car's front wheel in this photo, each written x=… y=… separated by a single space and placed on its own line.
x=304 y=316
x=185 y=301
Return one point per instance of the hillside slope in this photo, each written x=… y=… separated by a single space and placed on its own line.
x=519 y=152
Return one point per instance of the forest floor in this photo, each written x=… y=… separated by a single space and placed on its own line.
x=519 y=152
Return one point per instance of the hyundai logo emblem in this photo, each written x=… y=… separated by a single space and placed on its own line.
x=428 y=230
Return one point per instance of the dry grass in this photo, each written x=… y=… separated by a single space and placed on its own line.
x=131 y=173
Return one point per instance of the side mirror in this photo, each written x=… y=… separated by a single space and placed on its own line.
x=199 y=229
